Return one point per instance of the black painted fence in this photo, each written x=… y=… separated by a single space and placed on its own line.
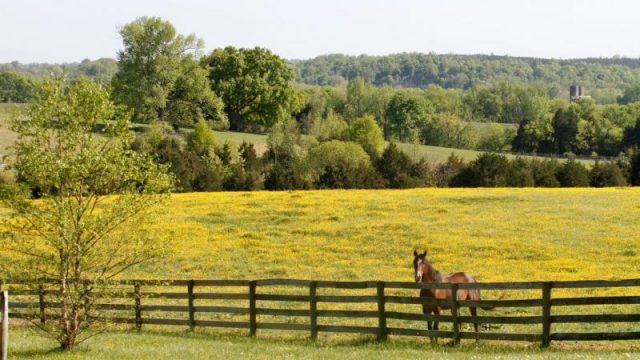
x=140 y=312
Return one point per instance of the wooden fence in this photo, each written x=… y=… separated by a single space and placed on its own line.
x=4 y=324
x=141 y=307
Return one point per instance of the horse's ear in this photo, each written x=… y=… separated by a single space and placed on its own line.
x=415 y=252
x=424 y=253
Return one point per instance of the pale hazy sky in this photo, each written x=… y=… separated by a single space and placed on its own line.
x=71 y=30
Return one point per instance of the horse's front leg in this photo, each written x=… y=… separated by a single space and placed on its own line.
x=436 y=323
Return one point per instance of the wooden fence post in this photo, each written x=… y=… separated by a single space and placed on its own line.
x=313 y=310
x=4 y=331
x=252 y=308
x=546 y=313
x=192 y=309
x=382 y=316
x=454 y=313
x=41 y=302
x=137 y=304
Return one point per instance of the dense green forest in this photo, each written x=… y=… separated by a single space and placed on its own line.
x=604 y=77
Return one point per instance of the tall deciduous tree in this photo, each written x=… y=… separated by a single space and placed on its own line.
x=254 y=85
x=74 y=234
x=406 y=116
x=158 y=75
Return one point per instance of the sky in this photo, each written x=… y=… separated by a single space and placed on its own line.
x=72 y=30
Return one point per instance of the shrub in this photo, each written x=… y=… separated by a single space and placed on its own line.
x=344 y=165
x=399 y=171
x=607 y=174
x=488 y=170
x=520 y=174
x=573 y=174
x=544 y=172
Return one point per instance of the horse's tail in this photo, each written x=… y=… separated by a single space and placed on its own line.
x=474 y=295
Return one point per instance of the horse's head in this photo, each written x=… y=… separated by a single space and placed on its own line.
x=420 y=265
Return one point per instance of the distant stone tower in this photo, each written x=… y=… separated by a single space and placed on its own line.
x=576 y=92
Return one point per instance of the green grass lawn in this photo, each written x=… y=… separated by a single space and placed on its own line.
x=200 y=344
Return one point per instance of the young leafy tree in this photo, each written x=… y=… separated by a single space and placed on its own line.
x=254 y=85
x=75 y=234
x=366 y=132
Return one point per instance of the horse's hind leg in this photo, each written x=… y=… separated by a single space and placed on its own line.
x=436 y=324
x=474 y=313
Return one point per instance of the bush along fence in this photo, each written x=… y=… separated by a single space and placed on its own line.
x=378 y=308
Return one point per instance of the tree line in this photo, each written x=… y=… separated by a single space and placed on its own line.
x=605 y=76
x=165 y=79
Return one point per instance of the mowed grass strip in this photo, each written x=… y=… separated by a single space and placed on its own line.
x=214 y=345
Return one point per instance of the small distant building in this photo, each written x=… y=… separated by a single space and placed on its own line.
x=576 y=92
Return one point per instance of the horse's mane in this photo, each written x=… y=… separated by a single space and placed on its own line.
x=434 y=274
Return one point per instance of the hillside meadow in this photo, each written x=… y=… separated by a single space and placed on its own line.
x=495 y=234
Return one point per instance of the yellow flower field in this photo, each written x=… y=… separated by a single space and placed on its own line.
x=494 y=234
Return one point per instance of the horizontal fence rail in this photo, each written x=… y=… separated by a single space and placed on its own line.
x=244 y=304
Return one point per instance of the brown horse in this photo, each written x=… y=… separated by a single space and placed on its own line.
x=424 y=272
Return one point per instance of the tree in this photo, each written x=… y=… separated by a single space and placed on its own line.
x=406 y=116
x=159 y=78
x=202 y=140
x=74 y=234
x=631 y=94
x=284 y=165
x=15 y=88
x=254 y=85
x=497 y=138
x=366 y=132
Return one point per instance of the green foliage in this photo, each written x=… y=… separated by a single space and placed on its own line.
x=496 y=139
x=544 y=172
x=100 y=70
x=468 y=71
x=363 y=98
x=254 y=85
x=74 y=233
x=285 y=168
x=330 y=127
x=406 y=116
x=631 y=94
x=15 y=88
x=448 y=130
x=342 y=165
x=488 y=170
x=366 y=132
x=606 y=174
x=159 y=78
x=202 y=140
x=520 y=174
x=398 y=171
x=573 y=174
